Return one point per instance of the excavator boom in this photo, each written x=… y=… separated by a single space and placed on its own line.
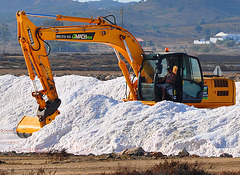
x=33 y=39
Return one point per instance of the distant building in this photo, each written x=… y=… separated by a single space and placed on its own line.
x=220 y=36
x=201 y=41
x=235 y=37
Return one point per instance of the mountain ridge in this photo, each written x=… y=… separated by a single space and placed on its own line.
x=149 y=19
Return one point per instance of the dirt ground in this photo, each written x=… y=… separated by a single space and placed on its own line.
x=86 y=165
x=98 y=74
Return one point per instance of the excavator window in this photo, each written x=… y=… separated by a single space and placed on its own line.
x=147 y=74
x=188 y=78
x=164 y=70
x=192 y=83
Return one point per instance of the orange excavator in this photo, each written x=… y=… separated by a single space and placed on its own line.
x=190 y=86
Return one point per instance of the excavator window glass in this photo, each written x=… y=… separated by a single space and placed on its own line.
x=148 y=70
x=146 y=79
x=164 y=71
x=196 y=73
x=192 y=80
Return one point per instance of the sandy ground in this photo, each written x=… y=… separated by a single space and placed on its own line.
x=50 y=164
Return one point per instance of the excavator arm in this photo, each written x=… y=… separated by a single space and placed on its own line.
x=33 y=40
x=36 y=57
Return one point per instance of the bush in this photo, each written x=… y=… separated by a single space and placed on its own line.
x=204 y=48
x=166 y=168
x=229 y=43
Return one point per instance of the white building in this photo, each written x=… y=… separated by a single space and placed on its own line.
x=220 y=36
x=235 y=37
x=201 y=41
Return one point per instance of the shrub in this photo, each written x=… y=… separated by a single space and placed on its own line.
x=229 y=43
x=166 y=168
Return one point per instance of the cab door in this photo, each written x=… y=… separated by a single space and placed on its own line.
x=192 y=80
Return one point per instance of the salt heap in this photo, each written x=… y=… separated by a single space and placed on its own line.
x=94 y=120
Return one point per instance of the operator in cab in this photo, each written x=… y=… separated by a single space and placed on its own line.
x=169 y=81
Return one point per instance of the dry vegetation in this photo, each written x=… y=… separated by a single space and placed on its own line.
x=63 y=163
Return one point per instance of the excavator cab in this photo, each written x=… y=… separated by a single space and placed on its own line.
x=188 y=82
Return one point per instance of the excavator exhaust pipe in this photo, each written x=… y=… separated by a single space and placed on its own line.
x=29 y=125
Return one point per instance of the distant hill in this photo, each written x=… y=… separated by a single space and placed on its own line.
x=159 y=20
x=57 y=6
x=174 y=13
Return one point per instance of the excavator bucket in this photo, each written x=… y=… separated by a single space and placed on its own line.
x=28 y=125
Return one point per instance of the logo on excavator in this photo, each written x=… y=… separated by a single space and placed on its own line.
x=76 y=36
